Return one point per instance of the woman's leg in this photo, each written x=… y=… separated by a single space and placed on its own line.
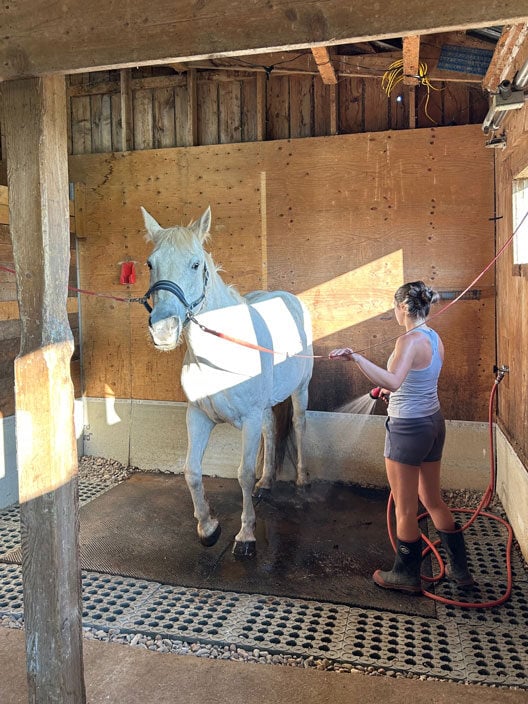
x=431 y=496
x=452 y=540
x=405 y=573
x=404 y=483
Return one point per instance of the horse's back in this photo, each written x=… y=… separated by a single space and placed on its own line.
x=288 y=325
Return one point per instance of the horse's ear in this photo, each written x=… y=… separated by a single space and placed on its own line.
x=202 y=226
x=153 y=228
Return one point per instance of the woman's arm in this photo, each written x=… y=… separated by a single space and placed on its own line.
x=391 y=378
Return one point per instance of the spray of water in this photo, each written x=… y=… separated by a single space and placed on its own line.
x=362 y=405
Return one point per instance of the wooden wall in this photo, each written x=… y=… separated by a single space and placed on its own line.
x=512 y=292
x=342 y=221
x=237 y=106
x=9 y=315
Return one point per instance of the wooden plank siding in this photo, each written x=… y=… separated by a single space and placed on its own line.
x=512 y=282
x=394 y=209
x=228 y=110
x=9 y=313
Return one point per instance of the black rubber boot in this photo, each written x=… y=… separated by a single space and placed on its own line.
x=405 y=573
x=455 y=547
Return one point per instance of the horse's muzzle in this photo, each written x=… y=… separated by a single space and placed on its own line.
x=166 y=333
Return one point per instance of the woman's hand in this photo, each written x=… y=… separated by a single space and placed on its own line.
x=384 y=395
x=342 y=353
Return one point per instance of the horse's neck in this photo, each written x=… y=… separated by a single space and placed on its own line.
x=218 y=294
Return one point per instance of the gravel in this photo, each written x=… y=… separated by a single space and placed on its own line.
x=160 y=644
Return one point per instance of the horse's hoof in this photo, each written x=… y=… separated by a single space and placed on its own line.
x=245 y=550
x=261 y=492
x=210 y=540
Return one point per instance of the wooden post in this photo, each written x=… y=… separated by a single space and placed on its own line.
x=192 y=109
x=261 y=106
x=36 y=139
x=127 y=128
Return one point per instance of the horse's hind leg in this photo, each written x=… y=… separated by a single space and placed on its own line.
x=199 y=428
x=300 y=404
x=268 y=442
x=245 y=544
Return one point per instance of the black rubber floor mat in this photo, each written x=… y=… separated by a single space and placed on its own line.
x=320 y=543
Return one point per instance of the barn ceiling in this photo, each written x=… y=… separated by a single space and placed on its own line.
x=463 y=56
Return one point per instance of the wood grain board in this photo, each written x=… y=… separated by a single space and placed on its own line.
x=347 y=220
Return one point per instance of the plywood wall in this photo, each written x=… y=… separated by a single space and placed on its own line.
x=512 y=287
x=9 y=314
x=342 y=221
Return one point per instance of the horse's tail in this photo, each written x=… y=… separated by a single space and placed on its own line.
x=283 y=416
x=283 y=413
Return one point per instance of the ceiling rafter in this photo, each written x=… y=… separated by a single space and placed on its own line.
x=411 y=59
x=324 y=64
x=502 y=66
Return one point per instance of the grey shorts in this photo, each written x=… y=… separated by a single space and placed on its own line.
x=415 y=440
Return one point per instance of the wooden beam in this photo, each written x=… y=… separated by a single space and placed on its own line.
x=324 y=64
x=90 y=36
x=36 y=142
x=511 y=42
x=180 y=67
x=411 y=60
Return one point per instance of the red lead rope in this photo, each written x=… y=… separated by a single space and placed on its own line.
x=251 y=345
x=87 y=293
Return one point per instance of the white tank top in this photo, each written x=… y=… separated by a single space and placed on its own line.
x=417 y=397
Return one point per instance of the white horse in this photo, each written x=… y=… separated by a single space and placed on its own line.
x=228 y=377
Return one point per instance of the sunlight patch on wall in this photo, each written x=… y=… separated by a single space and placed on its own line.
x=112 y=416
x=356 y=296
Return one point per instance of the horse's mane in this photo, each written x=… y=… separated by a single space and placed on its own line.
x=179 y=236
x=214 y=276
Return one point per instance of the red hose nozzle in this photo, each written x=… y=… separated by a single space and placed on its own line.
x=375 y=392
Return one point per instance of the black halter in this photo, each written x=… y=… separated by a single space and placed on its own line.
x=165 y=285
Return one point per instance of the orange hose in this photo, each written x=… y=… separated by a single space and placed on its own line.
x=479 y=511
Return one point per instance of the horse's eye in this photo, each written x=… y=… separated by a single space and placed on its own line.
x=195 y=265
x=149 y=265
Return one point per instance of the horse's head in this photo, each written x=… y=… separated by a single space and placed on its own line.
x=178 y=276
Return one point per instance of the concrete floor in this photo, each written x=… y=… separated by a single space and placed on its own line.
x=126 y=675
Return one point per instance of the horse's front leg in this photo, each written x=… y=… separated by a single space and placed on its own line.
x=245 y=543
x=199 y=427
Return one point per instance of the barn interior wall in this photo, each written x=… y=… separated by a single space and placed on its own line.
x=342 y=221
x=371 y=210
x=245 y=106
x=238 y=106
x=512 y=330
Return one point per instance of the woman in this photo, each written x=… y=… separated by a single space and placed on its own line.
x=415 y=434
